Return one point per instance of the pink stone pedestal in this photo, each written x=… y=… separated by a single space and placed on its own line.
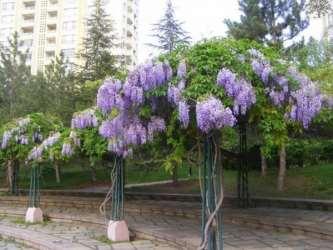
x=118 y=231
x=34 y=215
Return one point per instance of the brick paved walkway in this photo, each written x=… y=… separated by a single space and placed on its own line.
x=177 y=226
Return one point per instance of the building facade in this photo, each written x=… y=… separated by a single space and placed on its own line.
x=48 y=27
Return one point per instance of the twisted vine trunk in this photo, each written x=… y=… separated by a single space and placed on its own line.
x=282 y=168
x=57 y=172
x=263 y=165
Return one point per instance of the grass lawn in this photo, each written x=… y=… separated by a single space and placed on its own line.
x=308 y=182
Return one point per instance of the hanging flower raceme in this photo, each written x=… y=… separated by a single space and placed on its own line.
x=108 y=96
x=37 y=152
x=211 y=114
x=67 y=150
x=85 y=119
x=17 y=131
x=74 y=137
x=184 y=114
x=307 y=104
x=241 y=91
x=155 y=125
x=181 y=71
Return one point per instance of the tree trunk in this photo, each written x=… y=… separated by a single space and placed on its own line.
x=282 y=168
x=10 y=175
x=175 y=175
x=93 y=173
x=263 y=164
x=57 y=172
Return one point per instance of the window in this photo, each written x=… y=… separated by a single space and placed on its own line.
x=8 y=6
x=70 y=13
x=68 y=39
x=69 y=26
x=7 y=19
x=69 y=54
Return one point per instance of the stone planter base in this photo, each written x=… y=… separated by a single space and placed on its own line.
x=34 y=215
x=118 y=231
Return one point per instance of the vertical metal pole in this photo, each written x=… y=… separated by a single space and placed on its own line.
x=34 y=191
x=117 y=208
x=243 y=182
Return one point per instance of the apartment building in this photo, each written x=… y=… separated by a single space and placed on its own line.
x=48 y=27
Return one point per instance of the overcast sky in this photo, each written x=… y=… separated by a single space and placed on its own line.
x=202 y=19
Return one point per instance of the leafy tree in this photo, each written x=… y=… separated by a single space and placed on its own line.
x=312 y=54
x=14 y=75
x=319 y=7
x=282 y=19
x=98 y=60
x=169 y=32
x=251 y=25
x=63 y=88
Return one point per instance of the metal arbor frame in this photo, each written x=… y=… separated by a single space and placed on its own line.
x=243 y=177
x=211 y=191
x=34 y=190
x=117 y=206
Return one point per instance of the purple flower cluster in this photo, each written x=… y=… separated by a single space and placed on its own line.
x=85 y=119
x=156 y=124
x=108 y=96
x=307 y=104
x=37 y=152
x=66 y=150
x=174 y=94
x=262 y=69
x=211 y=114
x=150 y=76
x=135 y=133
x=181 y=71
x=184 y=114
x=241 y=91
x=7 y=135
x=16 y=133
x=277 y=97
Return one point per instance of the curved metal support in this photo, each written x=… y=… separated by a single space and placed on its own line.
x=212 y=188
x=243 y=178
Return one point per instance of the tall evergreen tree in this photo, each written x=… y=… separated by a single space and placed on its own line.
x=169 y=32
x=98 y=60
x=251 y=25
x=282 y=19
x=15 y=74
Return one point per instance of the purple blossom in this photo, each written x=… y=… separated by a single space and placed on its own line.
x=23 y=140
x=112 y=128
x=135 y=134
x=240 y=90
x=256 y=54
x=67 y=150
x=133 y=93
x=7 y=135
x=307 y=104
x=108 y=96
x=277 y=97
x=167 y=71
x=35 y=154
x=174 y=94
x=183 y=114
x=211 y=114
x=156 y=124
x=85 y=119
x=181 y=71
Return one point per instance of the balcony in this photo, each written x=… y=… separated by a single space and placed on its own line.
x=28 y=6
x=51 y=28
x=27 y=30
